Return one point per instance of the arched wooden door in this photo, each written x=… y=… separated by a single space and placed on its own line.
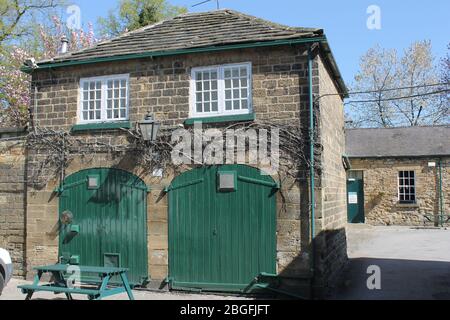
x=109 y=227
x=222 y=228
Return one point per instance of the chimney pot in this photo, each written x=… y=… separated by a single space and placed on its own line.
x=64 y=44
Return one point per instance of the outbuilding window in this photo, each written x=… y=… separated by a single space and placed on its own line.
x=104 y=99
x=407 y=187
x=221 y=90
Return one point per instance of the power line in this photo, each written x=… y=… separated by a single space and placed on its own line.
x=385 y=90
x=398 y=98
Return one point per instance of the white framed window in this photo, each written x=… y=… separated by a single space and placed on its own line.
x=407 y=186
x=104 y=99
x=221 y=90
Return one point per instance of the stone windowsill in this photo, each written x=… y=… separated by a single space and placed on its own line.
x=408 y=205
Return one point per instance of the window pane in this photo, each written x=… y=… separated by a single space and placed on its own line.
x=198 y=75
x=244 y=93
x=236 y=94
x=206 y=76
x=214 y=96
x=199 y=97
x=228 y=94
x=207 y=107
x=236 y=105
x=214 y=85
x=206 y=96
x=199 y=107
x=243 y=72
x=235 y=72
x=199 y=86
x=206 y=86
x=228 y=84
x=213 y=75
x=244 y=82
x=228 y=105
x=214 y=106
x=227 y=73
x=244 y=104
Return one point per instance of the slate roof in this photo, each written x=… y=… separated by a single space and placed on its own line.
x=197 y=30
x=193 y=30
x=398 y=142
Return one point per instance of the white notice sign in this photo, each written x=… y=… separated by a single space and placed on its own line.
x=353 y=198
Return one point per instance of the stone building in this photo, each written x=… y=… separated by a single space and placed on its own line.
x=399 y=176
x=98 y=193
x=12 y=195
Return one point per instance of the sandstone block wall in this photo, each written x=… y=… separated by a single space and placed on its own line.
x=12 y=198
x=381 y=203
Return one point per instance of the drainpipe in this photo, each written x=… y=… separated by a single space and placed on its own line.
x=441 y=196
x=312 y=171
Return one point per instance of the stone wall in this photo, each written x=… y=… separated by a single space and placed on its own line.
x=331 y=190
x=161 y=86
x=381 y=203
x=12 y=197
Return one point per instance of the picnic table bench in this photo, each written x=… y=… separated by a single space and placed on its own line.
x=96 y=291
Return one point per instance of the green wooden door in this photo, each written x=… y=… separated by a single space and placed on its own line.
x=355 y=200
x=220 y=240
x=109 y=226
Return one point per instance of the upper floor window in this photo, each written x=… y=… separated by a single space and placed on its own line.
x=407 y=187
x=104 y=98
x=221 y=90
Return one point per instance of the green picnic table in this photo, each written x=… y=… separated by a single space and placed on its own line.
x=96 y=290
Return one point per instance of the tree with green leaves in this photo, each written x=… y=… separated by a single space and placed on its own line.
x=15 y=16
x=134 y=14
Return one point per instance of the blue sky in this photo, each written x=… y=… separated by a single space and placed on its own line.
x=344 y=22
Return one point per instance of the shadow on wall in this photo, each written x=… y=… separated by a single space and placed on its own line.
x=399 y=280
x=330 y=261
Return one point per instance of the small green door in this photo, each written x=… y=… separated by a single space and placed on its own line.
x=222 y=228
x=109 y=221
x=355 y=197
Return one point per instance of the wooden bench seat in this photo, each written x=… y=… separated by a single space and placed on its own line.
x=49 y=288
